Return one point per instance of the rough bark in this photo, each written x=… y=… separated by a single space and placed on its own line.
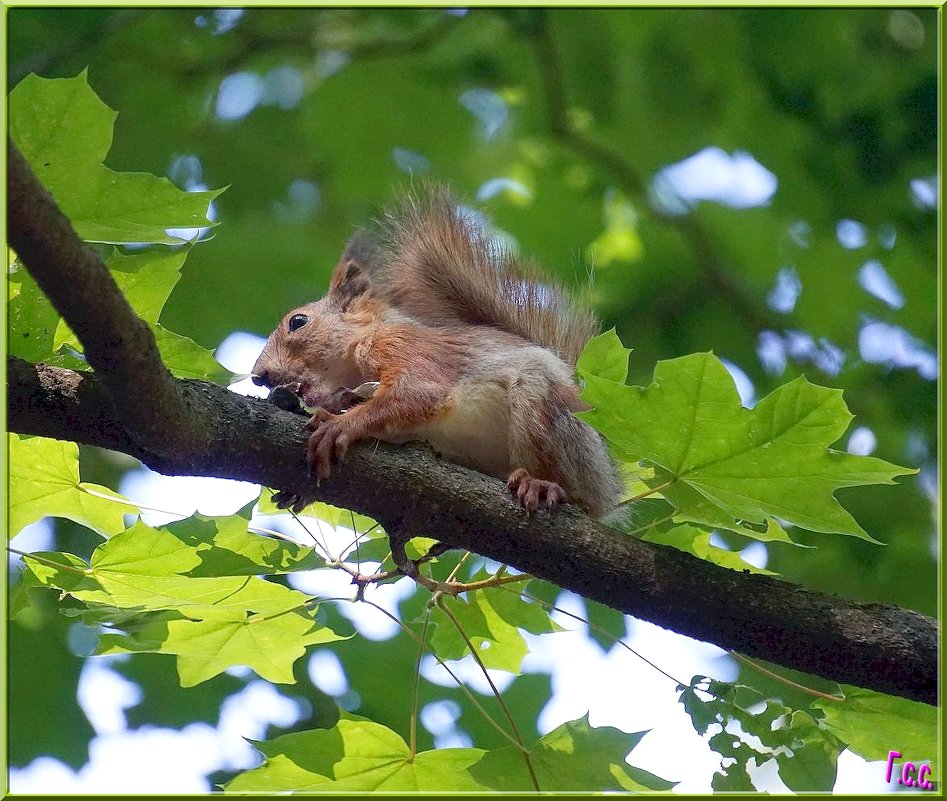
x=408 y=489
x=117 y=343
x=132 y=404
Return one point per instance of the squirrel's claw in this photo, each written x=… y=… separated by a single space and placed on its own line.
x=284 y=499
x=530 y=492
x=328 y=442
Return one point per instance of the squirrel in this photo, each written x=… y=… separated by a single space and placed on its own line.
x=471 y=350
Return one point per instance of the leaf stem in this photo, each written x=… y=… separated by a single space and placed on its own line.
x=463 y=687
x=782 y=679
x=656 y=522
x=323 y=544
x=642 y=495
x=269 y=532
x=50 y=562
x=413 y=723
x=126 y=501
x=442 y=605
x=618 y=640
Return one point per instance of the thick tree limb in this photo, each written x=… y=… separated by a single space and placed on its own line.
x=132 y=404
x=409 y=490
x=117 y=343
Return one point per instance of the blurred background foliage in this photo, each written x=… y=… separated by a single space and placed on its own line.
x=563 y=125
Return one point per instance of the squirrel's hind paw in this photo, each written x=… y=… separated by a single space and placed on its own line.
x=284 y=499
x=530 y=492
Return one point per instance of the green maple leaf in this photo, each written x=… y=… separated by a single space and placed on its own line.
x=199 y=546
x=119 y=586
x=145 y=551
x=605 y=357
x=813 y=761
x=225 y=547
x=146 y=280
x=357 y=755
x=44 y=481
x=334 y=516
x=753 y=464
x=491 y=619
x=873 y=723
x=696 y=541
x=186 y=359
x=65 y=131
x=269 y=645
x=573 y=757
x=31 y=318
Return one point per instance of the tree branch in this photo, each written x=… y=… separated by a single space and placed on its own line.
x=132 y=404
x=118 y=344
x=409 y=490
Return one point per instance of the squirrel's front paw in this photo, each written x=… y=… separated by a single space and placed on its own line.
x=530 y=492
x=329 y=441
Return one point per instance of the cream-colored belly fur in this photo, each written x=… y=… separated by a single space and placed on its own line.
x=475 y=429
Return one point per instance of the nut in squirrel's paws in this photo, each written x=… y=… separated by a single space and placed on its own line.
x=328 y=442
x=343 y=399
x=530 y=492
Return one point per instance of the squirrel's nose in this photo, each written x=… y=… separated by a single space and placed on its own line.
x=261 y=379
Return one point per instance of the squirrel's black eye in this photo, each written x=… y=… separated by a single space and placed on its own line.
x=297 y=321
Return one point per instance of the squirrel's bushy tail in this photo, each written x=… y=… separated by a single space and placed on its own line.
x=438 y=261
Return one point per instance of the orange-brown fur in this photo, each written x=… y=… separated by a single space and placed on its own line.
x=472 y=354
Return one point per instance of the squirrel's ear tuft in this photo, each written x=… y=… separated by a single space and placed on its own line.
x=348 y=282
x=351 y=276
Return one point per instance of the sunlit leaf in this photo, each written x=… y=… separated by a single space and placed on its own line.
x=696 y=541
x=483 y=618
x=225 y=547
x=64 y=130
x=604 y=356
x=198 y=598
x=44 y=481
x=872 y=724
x=146 y=280
x=204 y=648
x=145 y=551
x=573 y=757
x=186 y=359
x=693 y=507
x=357 y=756
x=31 y=318
x=333 y=515
x=769 y=461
